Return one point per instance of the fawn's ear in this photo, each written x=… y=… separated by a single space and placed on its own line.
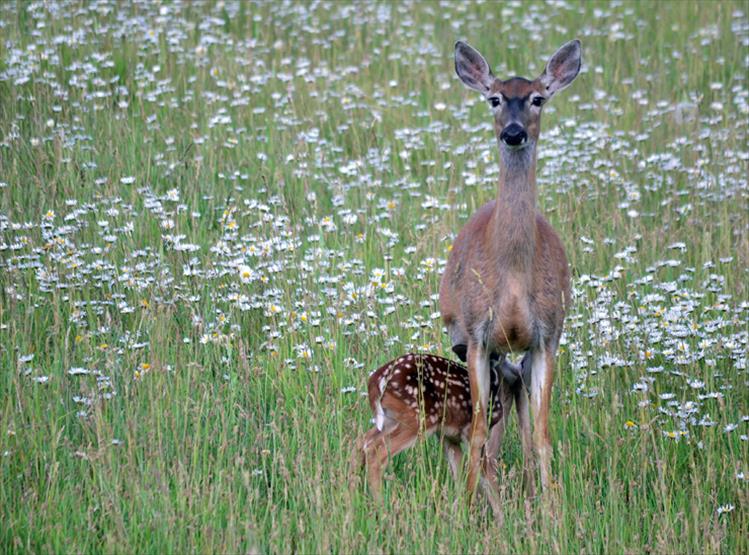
x=563 y=67
x=472 y=68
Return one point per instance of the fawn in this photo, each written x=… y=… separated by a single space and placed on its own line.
x=419 y=395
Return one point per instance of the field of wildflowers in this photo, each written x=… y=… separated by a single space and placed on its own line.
x=217 y=217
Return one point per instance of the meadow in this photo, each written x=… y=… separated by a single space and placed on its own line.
x=216 y=218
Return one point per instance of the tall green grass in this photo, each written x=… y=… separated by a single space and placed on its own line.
x=223 y=445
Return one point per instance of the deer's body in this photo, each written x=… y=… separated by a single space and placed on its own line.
x=418 y=395
x=510 y=308
x=506 y=283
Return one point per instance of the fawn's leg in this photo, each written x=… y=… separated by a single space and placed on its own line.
x=454 y=453
x=386 y=445
x=358 y=453
x=497 y=433
x=491 y=456
x=489 y=486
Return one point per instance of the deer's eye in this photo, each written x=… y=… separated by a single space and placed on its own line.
x=494 y=101
x=538 y=101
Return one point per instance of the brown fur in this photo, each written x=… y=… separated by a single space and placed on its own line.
x=506 y=283
x=421 y=395
x=439 y=389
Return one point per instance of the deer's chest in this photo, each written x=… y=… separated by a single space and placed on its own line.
x=512 y=325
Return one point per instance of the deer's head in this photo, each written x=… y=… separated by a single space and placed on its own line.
x=517 y=102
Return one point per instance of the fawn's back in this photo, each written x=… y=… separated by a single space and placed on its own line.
x=419 y=389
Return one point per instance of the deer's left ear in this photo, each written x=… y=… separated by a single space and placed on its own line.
x=563 y=67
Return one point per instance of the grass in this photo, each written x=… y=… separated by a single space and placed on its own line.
x=147 y=151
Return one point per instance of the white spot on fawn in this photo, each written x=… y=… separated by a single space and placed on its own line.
x=379 y=415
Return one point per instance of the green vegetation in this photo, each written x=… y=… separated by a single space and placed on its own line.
x=217 y=218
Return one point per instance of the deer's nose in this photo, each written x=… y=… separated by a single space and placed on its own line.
x=513 y=135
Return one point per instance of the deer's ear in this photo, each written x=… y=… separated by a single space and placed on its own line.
x=563 y=67
x=472 y=68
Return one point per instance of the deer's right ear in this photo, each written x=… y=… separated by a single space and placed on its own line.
x=472 y=68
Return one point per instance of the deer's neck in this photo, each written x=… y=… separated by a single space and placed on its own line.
x=514 y=224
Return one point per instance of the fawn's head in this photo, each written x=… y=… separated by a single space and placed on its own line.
x=516 y=103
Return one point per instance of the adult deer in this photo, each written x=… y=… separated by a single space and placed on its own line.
x=506 y=283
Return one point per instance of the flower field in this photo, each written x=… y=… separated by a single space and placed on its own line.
x=216 y=218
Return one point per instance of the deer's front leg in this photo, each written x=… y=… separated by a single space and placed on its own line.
x=526 y=438
x=478 y=377
x=542 y=376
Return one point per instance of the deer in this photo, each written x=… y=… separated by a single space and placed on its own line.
x=506 y=285
x=419 y=395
